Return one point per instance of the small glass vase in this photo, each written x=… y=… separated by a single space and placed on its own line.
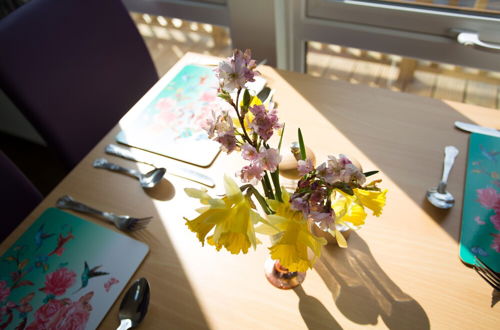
x=280 y=276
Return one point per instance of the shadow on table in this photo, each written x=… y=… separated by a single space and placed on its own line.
x=363 y=291
x=314 y=313
x=173 y=301
x=407 y=136
x=163 y=191
x=171 y=290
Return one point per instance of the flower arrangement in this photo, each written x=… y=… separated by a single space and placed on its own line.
x=331 y=195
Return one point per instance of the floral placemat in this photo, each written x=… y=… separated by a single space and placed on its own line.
x=481 y=210
x=171 y=124
x=64 y=273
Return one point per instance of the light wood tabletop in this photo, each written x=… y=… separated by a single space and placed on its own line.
x=401 y=270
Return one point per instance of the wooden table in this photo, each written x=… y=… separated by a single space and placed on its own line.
x=401 y=270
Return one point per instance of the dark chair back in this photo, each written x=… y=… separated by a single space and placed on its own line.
x=18 y=196
x=74 y=68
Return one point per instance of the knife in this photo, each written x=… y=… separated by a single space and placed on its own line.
x=477 y=129
x=184 y=173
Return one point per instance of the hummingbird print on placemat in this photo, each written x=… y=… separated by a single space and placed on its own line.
x=89 y=273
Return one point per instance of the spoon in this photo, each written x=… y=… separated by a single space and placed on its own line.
x=134 y=305
x=148 y=180
x=438 y=196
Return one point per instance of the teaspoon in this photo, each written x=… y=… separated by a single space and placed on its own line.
x=148 y=180
x=134 y=305
x=438 y=196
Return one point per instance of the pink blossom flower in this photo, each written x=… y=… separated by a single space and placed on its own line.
x=58 y=282
x=495 y=220
x=209 y=125
x=252 y=173
x=323 y=220
x=269 y=159
x=496 y=242
x=326 y=173
x=340 y=169
x=4 y=290
x=300 y=204
x=249 y=152
x=305 y=166
x=264 y=122
x=234 y=72
x=228 y=142
x=487 y=197
x=221 y=129
x=250 y=64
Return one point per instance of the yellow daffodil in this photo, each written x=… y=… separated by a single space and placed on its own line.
x=291 y=248
x=249 y=116
x=372 y=199
x=350 y=211
x=231 y=218
x=347 y=209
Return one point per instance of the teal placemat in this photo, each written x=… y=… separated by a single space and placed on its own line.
x=481 y=209
x=64 y=273
x=172 y=123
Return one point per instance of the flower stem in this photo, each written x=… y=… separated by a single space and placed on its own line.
x=260 y=199
x=276 y=180
x=267 y=186
x=241 y=119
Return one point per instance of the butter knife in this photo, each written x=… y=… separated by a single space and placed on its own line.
x=477 y=129
x=184 y=173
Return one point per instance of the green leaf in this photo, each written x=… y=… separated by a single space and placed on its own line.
x=246 y=98
x=225 y=97
x=275 y=176
x=302 y=146
x=345 y=188
x=281 y=137
x=264 y=94
x=370 y=173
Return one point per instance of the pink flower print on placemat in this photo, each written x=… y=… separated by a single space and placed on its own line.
x=479 y=221
x=208 y=96
x=56 y=283
x=488 y=197
x=109 y=283
x=496 y=242
x=61 y=240
x=63 y=314
x=495 y=220
x=165 y=104
x=46 y=312
x=4 y=290
x=75 y=315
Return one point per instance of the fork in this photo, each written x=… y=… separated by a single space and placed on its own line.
x=122 y=222
x=488 y=274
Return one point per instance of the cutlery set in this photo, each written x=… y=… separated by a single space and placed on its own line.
x=146 y=180
x=441 y=198
x=488 y=274
x=122 y=222
x=135 y=303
